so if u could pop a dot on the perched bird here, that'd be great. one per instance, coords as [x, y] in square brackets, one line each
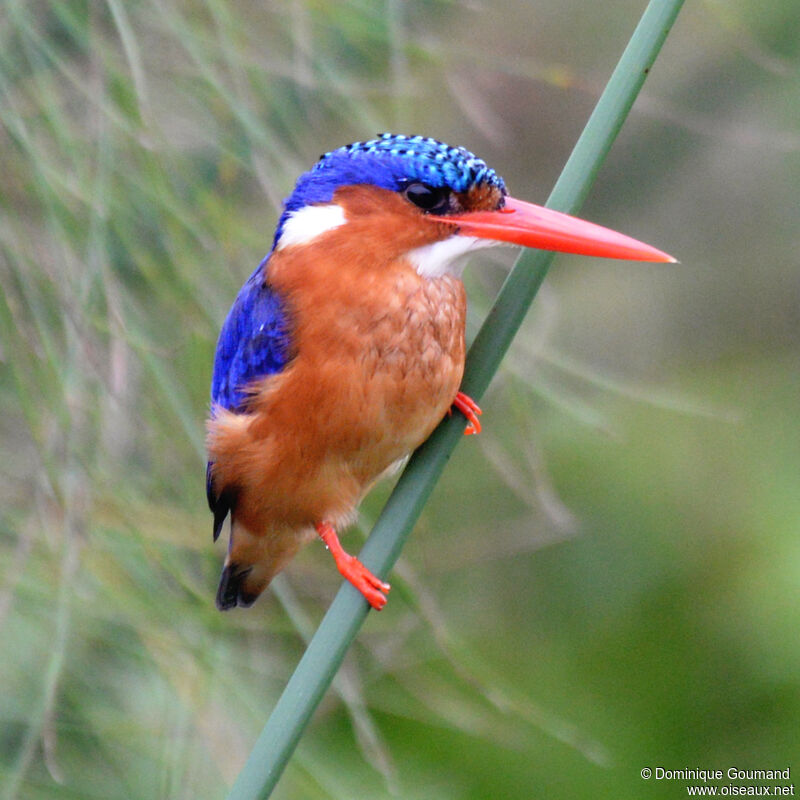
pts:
[345, 347]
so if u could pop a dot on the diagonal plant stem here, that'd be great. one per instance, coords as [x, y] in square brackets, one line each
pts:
[338, 628]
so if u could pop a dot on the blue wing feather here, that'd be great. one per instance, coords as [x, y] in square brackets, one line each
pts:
[254, 342]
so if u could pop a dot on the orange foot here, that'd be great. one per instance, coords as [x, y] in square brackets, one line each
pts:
[471, 410]
[351, 568]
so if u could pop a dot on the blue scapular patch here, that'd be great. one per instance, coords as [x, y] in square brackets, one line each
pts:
[254, 342]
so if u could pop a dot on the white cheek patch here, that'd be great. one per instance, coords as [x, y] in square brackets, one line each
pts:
[446, 256]
[305, 224]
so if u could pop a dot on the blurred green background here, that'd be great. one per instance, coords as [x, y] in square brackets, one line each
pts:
[606, 579]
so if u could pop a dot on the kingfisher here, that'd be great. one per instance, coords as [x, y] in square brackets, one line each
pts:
[345, 348]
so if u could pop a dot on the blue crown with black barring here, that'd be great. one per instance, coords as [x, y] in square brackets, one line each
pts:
[391, 161]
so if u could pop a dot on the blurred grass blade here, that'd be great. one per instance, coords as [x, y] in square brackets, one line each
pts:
[324, 655]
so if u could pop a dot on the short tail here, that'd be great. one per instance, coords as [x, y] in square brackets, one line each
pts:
[233, 588]
[253, 561]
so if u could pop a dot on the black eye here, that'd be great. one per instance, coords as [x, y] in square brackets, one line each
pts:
[429, 198]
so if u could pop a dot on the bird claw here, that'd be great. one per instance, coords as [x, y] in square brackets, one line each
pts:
[471, 410]
[371, 587]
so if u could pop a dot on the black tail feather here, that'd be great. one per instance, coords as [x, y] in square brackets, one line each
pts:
[220, 512]
[231, 591]
[220, 504]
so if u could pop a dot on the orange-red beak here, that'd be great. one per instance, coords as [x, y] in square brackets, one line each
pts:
[530, 225]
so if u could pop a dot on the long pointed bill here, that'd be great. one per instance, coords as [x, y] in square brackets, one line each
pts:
[530, 225]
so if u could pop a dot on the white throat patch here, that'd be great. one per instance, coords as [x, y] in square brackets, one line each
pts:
[305, 224]
[446, 256]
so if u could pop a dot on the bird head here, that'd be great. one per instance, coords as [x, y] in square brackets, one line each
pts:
[421, 199]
